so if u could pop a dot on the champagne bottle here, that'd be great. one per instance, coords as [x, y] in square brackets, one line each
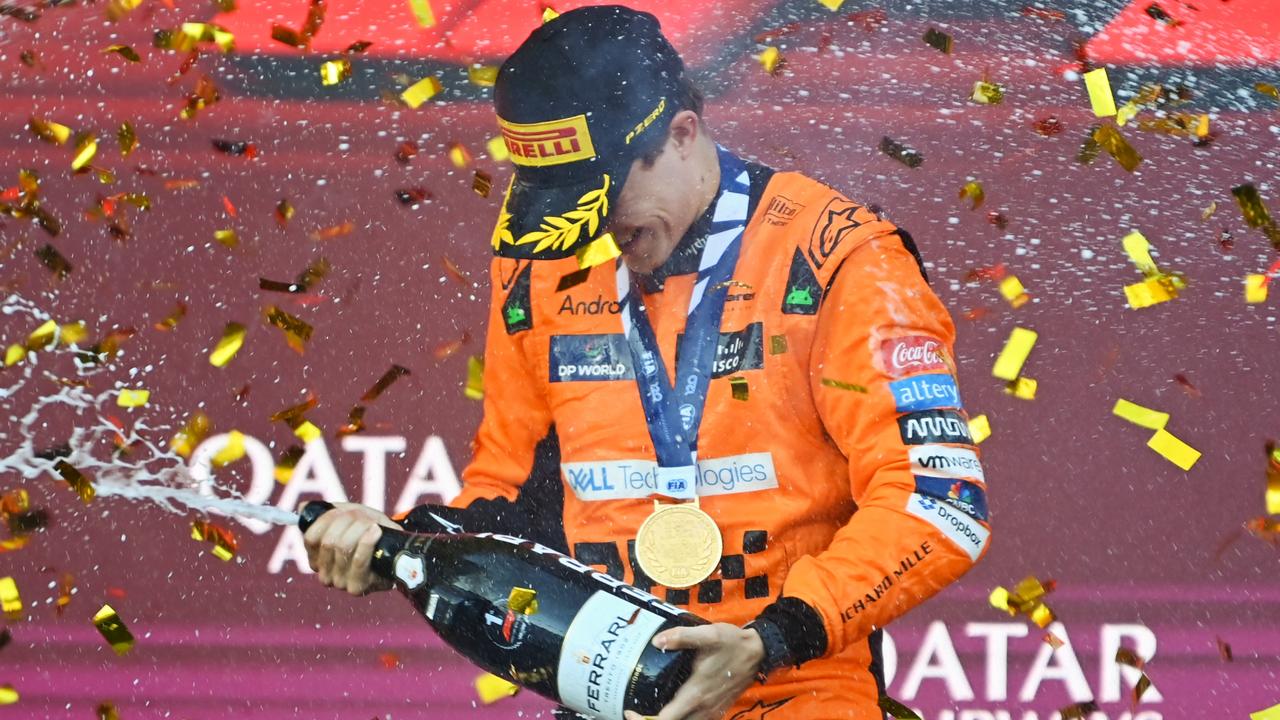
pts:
[537, 618]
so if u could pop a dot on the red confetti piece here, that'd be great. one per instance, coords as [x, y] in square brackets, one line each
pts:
[226, 204]
[1048, 126]
[455, 272]
[389, 660]
[1187, 387]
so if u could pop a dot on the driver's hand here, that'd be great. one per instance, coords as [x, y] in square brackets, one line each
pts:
[340, 546]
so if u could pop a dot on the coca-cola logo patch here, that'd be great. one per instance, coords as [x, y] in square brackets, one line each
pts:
[911, 354]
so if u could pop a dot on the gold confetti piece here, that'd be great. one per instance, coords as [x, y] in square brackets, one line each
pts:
[1078, 711]
[1140, 416]
[49, 131]
[72, 333]
[483, 75]
[224, 542]
[172, 319]
[972, 191]
[597, 252]
[422, 12]
[284, 212]
[43, 335]
[738, 386]
[1271, 713]
[113, 629]
[354, 424]
[293, 415]
[1273, 480]
[1149, 292]
[938, 40]
[777, 344]
[296, 331]
[227, 237]
[841, 385]
[390, 376]
[1110, 139]
[900, 152]
[333, 72]
[1255, 212]
[567, 281]
[1099, 88]
[128, 139]
[1139, 251]
[474, 388]
[896, 709]
[497, 149]
[491, 688]
[86, 149]
[523, 600]
[192, 434]
[133, 398]
[287, 462]
[10, 600]
[1173, 449]
[227, 347]
[770, 59]
[76, 479]
[979, 429]
[1041, 615]
[1013, 291]
[1267, 89]
[549, 14]
[482, 183]
[14, 354]
[1023, 388]
[307, 431]
[107, 711]
[117, 9]
[288, 36]
[832, 5]
[8, 695]
[124, 51]
[985, 93]
[1202, 127]
[1016, 349]
[1209, 211]
[232, 451]
[66, 586]
[333, 231]
[999, 599]
[1255, 289]
[459, 155]
[421, 91]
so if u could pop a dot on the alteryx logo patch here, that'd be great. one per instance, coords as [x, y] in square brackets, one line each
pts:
[577, 358]
[934, 426]
[737, 351]
[968, 534]
[962, 495]
[925, 392]
[623, 479]
[945, 461]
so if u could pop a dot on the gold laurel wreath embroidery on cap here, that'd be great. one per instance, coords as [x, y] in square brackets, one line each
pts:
[557, 232]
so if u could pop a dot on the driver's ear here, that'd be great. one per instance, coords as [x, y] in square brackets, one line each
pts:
[685, 129]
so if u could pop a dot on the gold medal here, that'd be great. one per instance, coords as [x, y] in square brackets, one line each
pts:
[678, 545]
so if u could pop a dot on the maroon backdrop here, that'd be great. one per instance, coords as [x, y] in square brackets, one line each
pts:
[1143, 553]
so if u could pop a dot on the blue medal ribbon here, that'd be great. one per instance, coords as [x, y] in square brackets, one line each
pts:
[674, 414]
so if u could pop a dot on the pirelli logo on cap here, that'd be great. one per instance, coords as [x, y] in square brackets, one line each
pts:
[553, 142]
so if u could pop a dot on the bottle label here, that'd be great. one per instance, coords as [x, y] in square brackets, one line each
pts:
[600, 651]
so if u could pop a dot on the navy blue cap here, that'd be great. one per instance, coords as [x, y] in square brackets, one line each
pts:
[576, 103]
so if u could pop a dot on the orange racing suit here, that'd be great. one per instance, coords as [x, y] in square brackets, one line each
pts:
[834, 453]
